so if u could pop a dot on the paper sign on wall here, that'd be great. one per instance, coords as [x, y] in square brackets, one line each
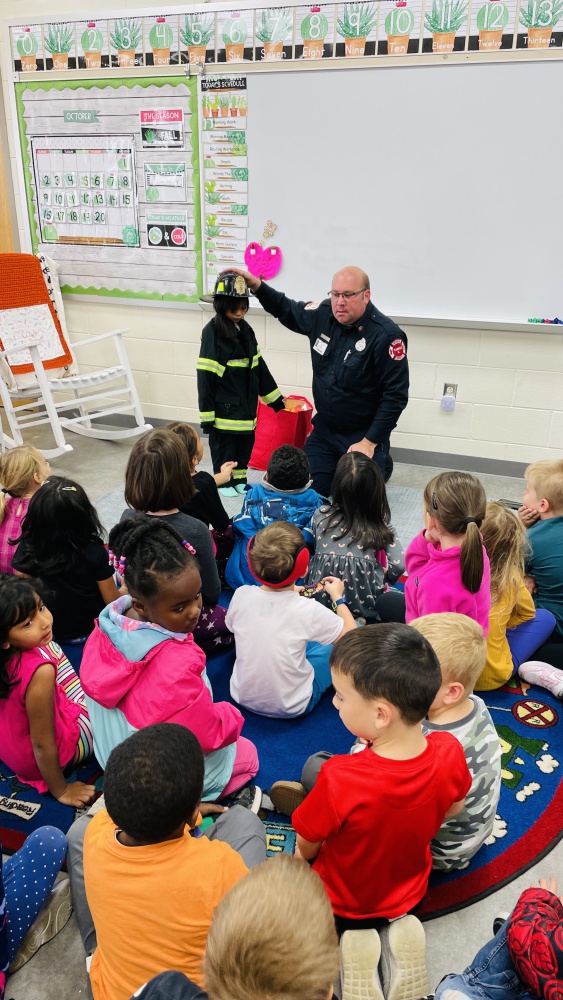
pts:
[162, 128]
[165, 182]
[167, 230]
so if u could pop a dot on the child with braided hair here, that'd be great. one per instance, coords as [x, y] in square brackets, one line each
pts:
[142, 666]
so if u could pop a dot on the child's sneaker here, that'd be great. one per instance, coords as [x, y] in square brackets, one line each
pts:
[500, 921]
[228, 491]
[249, 797]
[287, 795]
[403, 959]
[359, 958]
[544, 675]
[51, 919]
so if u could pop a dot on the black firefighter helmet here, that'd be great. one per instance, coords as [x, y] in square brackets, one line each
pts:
[229, 284]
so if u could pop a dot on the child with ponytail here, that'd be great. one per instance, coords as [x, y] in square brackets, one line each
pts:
[447, 565]
[143, 661]
[517, 628]
[22, 471]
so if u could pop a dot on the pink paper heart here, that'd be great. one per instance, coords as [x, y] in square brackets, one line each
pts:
[263, 262]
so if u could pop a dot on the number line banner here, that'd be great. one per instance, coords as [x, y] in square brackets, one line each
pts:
[217, 35]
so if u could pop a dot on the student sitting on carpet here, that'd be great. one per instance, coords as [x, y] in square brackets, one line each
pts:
[45, 731]
[354, 539]
[366, 820]
[516, 628]
[205, 504]
[295, 672]
[158, 480]
[62, 545]
[524, 959]
[149, 882]
[142, 660]
[254, 952]
[461, 648]
[284, 494]
[22, 471]
[447, 565]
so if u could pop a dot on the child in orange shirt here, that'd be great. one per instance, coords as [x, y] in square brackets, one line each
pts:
[152, 882]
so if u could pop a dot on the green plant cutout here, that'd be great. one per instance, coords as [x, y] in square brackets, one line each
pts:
[130, 236]
[234, 35]
[272, 28]
[126, 38]
[399, 24]
[150, 136]
[197, 29]
[209, 162]
[152, 194]
[239, 209]
[27, 46]
[238, 149]
[314, 29]
[92, 39]
[444, 21]
[59, 40]
[161, 37]
[212, 196]
[358, 21]
[540, 18]
[491, 22]
[239, 173]
[211, 229]
[50, 233]
[238, 138]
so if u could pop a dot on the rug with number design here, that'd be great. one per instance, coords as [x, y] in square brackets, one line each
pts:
[529, 820]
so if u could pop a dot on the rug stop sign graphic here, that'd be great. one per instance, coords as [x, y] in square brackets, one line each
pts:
[535, 713]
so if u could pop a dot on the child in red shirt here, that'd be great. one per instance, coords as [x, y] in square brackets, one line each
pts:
[368, 820]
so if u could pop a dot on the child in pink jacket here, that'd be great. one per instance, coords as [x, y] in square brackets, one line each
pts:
[142, 661]
[447, 565]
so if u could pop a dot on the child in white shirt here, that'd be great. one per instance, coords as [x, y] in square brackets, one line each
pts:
[283, 641]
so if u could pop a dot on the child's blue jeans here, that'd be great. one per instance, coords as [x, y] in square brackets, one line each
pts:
[318, 656]
[491, 975]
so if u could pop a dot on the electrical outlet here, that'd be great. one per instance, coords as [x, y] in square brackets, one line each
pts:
[450, 389]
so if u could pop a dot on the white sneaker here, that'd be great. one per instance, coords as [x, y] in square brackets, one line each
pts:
[360, 952]
[51, 919]
[403, 959]
[544, 675]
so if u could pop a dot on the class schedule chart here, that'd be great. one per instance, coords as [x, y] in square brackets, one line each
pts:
[111, 173]
[87, 192]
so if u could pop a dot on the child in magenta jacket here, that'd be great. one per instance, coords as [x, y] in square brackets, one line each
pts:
[142, 660]
[447, 565]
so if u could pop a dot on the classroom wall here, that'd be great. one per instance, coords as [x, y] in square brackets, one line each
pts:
[510, 398]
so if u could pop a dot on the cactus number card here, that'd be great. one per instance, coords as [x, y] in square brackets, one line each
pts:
[445, 26]
[27, 48]
[273, 33]
[197, 37]
[314, 32]
[356, 28]
[492, 25]
[126, 40]
[399, 31]
[162, 128]
[161, 40]
[540, 24]
[93, 47]
[234, 35]
[60, 46]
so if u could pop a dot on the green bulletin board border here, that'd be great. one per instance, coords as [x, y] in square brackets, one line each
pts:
[46, 85]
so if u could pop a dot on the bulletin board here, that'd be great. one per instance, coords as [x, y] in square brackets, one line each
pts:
[111, 171]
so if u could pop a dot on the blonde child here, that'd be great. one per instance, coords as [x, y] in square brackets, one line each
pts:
[22, 471]
[460, 646]
[290, 680]
[516, 628]
[447, 565]
[44, 724]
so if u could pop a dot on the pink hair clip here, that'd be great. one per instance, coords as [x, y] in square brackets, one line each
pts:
[121, 567]
[189, 547]
[111, 557]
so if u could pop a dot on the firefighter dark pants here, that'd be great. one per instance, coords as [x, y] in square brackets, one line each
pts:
[324, 447]
[228, 447]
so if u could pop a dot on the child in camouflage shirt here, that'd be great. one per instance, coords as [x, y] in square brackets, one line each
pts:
[461, 648]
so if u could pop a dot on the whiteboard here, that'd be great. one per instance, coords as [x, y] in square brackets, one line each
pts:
[442, 182]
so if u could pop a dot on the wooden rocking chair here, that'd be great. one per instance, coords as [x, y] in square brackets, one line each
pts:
[40, 381]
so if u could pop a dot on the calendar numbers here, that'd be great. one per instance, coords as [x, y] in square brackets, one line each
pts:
[96, 181]
[57, 180]
[73, 216]
[58, 198]
[86, 198]
[126, 198]
[86, 217]
[72, 199]
[125, 181]
[112, 200]
[45, 180]
[99, 218]
[47, 215]
[45, 197]
[70, 180]
[98, 198]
